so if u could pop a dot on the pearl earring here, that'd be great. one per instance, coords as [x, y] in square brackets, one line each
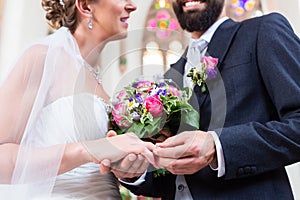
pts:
[90, 24]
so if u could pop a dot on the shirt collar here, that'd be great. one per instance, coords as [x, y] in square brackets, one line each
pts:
[210, 32]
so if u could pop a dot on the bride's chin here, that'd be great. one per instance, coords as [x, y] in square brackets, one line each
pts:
[119, 36]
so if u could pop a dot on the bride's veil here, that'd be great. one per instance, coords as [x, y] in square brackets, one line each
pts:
[52, 68]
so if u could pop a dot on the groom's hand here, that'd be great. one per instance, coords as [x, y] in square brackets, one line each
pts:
[186, 153]
[163, 135]
[129, 167]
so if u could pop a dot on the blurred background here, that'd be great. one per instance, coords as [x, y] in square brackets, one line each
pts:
[155, 39]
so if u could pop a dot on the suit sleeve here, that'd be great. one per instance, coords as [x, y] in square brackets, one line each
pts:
[254, 148]
[162, 186]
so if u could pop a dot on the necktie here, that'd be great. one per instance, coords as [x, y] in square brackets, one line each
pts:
[194, 55]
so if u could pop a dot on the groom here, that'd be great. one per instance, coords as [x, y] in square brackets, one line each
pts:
[249, 113]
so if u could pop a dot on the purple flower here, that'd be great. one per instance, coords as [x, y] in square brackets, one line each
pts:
[135, 116]
[139, 98]
[211, 74]
[161, 85]
[162, 92]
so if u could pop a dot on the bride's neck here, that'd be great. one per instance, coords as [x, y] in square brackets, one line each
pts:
[89, 49]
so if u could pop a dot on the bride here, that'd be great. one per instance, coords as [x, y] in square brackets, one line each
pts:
[53, 119]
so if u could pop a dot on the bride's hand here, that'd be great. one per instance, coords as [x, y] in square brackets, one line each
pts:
[117, 147]
[129, 167]
[130, 143]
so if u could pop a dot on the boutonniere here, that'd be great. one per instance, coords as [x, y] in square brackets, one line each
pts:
[203, 72]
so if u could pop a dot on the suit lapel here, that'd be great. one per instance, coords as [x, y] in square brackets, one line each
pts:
[221, 40]
[218, 48]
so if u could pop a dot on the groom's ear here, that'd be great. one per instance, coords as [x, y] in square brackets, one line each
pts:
[111, 133]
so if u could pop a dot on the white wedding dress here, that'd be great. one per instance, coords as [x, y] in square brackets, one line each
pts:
[82, 117]
[57, 110]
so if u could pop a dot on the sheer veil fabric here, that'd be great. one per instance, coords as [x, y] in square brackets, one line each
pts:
[53, 72]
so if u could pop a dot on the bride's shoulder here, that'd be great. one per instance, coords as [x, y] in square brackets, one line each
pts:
[34, 52]
[31, 62]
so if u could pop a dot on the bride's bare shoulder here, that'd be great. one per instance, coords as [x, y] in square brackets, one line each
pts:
[34, 52]
[31, 60]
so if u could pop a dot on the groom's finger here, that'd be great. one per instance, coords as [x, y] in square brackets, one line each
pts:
[179, 139]
[166, 163]
[173, 152]
[171, 142]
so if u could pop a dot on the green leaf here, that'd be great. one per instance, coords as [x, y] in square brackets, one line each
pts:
[203, 88]
[160, 172]
[191, 118]
[137, 128]
[154, 127]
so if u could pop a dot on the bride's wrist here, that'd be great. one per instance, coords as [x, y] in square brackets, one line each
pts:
[86, 155]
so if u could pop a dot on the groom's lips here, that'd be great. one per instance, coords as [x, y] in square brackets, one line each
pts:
[191, 4]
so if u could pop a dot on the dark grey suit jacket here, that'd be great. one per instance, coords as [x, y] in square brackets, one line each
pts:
[259, 68]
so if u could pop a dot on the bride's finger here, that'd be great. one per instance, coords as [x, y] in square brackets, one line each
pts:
[149, 156]
[143, 166]
[150, 146]
[136, 167]
[111, 133]
[127, 162]
[105, 166]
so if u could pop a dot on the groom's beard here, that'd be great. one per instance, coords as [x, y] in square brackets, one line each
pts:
[197, 20]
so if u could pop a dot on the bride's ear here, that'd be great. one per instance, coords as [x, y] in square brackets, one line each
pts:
[83, 8]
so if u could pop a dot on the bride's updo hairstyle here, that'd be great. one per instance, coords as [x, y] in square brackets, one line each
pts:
[61, 13]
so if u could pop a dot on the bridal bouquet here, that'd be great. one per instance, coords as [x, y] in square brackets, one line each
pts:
[147, 108]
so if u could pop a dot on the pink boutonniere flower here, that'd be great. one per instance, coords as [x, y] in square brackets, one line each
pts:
[203, 72]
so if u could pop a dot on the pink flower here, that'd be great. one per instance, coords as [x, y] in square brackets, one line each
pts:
[209, 62]
[122, 95]
[174, 91]
[144, 86]
[119, 113]
[141, 84]
[154, 105]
